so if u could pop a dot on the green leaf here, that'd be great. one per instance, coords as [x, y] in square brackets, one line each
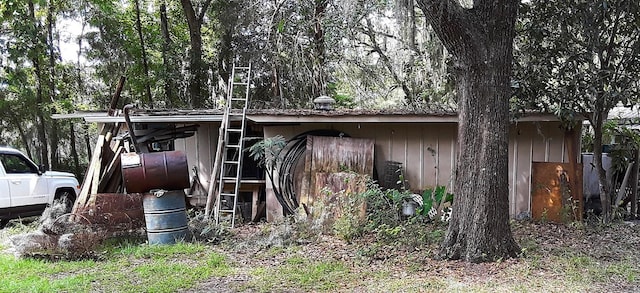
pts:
[280, 27]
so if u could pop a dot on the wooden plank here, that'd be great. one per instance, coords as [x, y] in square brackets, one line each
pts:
[339, 154]
[111, 168]
[340, 184]
[430, 156]
[89, 176]
[305, 184]
[212, 192]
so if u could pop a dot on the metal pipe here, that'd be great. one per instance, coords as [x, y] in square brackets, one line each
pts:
[130, 126]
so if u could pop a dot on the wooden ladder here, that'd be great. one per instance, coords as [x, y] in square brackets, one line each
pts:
[230, 172]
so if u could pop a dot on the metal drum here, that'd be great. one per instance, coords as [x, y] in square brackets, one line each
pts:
[161, 170]
[165, 216]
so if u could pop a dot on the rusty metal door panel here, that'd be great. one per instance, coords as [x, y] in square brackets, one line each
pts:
[335, 155]
[552, 189]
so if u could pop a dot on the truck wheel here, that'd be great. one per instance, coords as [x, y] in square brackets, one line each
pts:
[67, 198]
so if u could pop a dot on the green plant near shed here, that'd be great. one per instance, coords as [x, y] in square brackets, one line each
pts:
[434, 199]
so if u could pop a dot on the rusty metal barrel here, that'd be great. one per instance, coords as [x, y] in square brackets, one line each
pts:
[162, 170]
[165, 216]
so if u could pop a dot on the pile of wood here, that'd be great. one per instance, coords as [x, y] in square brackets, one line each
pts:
[103, 174]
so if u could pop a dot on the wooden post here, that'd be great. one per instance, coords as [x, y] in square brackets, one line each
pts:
[211, 193]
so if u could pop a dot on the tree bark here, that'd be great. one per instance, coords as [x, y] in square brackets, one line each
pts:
[74, 151]
[480, 40]
[198, 75]
[52, 85]
[145, 63]
[604, 185]
[320, 80]
[35, 59]
[166, 58]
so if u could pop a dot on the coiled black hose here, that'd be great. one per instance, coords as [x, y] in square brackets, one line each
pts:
[295, 148]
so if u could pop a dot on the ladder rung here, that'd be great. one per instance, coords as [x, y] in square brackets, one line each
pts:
[234, 130]
[239, 99]
[227, 194]
[236, 114]
[241, 83]
[232, 162]
[226, 211]
[225, 179]
[242, 67]
[235, 146]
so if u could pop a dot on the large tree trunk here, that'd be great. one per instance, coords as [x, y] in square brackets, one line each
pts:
[145, 63]
[319, 80]
[35, 59]
[166, 58]
[198, 78]
[480, 40]
[52, 84]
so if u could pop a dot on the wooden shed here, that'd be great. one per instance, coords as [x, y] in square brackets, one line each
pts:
[423, 143]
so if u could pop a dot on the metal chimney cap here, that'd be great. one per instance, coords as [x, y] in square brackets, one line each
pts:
[324, 103]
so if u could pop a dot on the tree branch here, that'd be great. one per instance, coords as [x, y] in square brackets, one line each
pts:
[203, 11]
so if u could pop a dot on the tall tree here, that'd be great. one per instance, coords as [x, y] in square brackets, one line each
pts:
[480, 39]
[198, 79]
[145, 61]
[37, 55]
[580, 57]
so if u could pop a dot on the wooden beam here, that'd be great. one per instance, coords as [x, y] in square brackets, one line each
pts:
[111, 168]
[211, 193]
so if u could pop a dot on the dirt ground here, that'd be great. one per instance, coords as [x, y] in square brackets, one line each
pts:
[558, 256]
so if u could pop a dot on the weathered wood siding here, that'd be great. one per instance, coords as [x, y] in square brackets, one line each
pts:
[427, 152]
[201, 151]
[327, 156]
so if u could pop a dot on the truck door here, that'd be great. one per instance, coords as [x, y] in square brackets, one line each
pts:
[5, 194]
[26, 186]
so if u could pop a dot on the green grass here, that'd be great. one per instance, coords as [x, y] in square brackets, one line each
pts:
[128, 267]
[31, 275]
[301, 273]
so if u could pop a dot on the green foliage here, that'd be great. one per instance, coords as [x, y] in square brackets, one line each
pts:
[350, 224]
[434, 199]
[574, 57]
[267, 151]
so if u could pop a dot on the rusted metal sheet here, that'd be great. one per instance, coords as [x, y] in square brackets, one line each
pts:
[554, 196]
[113, 212]
[329, 155]
[161, 170]
[340, 183]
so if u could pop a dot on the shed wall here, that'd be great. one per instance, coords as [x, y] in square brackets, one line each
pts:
[428, 153]
[426, 150]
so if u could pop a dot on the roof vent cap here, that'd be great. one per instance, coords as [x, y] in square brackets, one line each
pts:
[324, 103]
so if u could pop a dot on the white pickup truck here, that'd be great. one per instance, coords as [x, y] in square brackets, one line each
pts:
[26, 189]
